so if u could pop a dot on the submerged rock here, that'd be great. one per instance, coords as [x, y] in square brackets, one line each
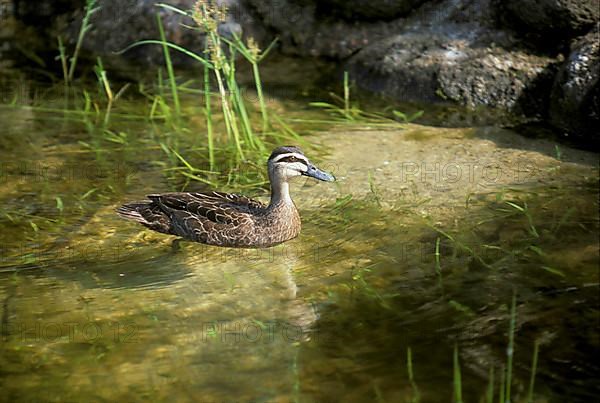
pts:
[575, 102]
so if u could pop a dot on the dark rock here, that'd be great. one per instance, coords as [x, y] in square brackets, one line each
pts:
[455, 52]
[119, 24]
[451, 50]
[404, 67]
[558, 19]
[510, 80]
[304, 29]
[367, 9]
[575, 105]
[42, 12]
[428, 67]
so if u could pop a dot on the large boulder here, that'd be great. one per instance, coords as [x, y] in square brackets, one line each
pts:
[558, 19]
[305, 28]
[116, 25]
[457, 54]
[511, 80]
[439, 66]
[368, 9]
[575, 101]
[119, 24]
[472, 52]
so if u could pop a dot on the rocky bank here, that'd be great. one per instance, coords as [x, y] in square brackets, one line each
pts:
[534, 59]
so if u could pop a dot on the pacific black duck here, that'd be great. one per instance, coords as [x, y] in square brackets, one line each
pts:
[232, 220]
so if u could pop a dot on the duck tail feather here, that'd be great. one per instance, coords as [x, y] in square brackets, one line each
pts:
[131, 211]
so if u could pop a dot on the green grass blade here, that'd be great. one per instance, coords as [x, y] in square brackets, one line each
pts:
[63, 59]
[489, 398]
[502, 385]
[438, 266]
[510, 349]
[85, 26]
[457, 377]
[416, 396]
[172, 8]
[261, 99]
[170, 45]
[169, 64]
[208, 112]
[534, 363]
[267, 50]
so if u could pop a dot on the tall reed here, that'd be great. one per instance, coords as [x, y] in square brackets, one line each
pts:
[85, 27]
[208, 16]
[254, 55]
[208, 113]
[240, 141]
[169, 64]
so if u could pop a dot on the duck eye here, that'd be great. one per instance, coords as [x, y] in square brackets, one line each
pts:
[291, 158]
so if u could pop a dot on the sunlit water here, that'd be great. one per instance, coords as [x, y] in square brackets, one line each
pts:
[94, 308]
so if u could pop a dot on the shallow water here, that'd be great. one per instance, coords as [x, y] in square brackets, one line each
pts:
[421, 244]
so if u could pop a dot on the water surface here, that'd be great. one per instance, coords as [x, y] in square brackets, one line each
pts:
[421, 244]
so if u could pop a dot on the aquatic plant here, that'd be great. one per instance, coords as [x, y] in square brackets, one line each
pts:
[169, 64]
[241, 142]
[344, 110]
[110, 96]
[457, 379]
[69, 64]
[416, 395]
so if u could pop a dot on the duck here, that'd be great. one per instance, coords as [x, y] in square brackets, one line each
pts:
[227, 219]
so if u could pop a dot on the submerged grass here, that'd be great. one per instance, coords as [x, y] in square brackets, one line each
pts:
[457, 377]
[534, 363]
[511, 347]
[345, 110]
[496, 252]
[416, 395]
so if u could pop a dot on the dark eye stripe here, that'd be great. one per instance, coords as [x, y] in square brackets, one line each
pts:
[292, 159]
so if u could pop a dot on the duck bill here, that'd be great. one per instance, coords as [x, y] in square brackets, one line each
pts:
[316, 173]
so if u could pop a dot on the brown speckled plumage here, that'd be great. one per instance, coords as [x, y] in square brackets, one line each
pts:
[231, 220]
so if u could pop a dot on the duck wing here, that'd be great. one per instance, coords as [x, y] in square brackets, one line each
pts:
[217, 207]
[209, 217]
